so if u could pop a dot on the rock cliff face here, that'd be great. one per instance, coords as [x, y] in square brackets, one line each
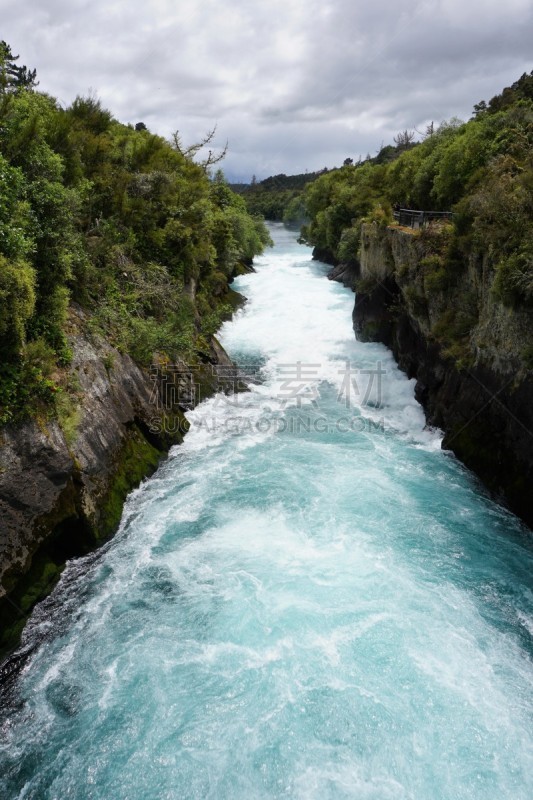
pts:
[471, 356]
[63, 481]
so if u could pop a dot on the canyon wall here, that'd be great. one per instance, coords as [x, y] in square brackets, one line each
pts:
[64, 479]
[470, 354]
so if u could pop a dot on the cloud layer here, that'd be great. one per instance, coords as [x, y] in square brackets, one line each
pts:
[292, 85]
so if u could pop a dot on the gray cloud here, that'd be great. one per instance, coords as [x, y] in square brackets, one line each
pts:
[293, 84]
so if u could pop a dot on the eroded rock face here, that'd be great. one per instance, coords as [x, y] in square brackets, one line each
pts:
[63, 482]
[35, 470]
[476, 386]
[347, 274]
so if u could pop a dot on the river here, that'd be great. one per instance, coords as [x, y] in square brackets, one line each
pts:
[309, 599]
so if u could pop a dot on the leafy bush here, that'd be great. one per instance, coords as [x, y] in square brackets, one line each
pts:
[436, 278]
[116, 219]
[348, 249]
[17, 303]
[381, 214]
[513, 284]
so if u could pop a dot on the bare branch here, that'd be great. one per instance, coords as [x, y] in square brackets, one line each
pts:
[193, 149]
[404, 138]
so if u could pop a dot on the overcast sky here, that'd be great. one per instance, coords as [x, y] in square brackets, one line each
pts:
[291, 84]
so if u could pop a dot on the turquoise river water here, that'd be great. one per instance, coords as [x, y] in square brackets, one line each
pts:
[309, 599]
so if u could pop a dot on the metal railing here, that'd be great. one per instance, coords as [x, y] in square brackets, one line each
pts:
[412, 218]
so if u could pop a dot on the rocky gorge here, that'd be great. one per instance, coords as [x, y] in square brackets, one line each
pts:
[470, 354]
[64, 479]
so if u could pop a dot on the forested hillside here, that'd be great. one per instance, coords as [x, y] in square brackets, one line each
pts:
[278, 198]
[281, 198]
[113, 218]
[481, 170]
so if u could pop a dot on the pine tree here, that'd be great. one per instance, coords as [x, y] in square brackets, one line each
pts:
[12, 76]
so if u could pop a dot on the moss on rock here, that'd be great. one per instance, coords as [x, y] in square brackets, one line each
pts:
[137, 459]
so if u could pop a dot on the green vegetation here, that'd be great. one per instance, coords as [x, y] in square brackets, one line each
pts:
[137, 459]
[283, 198]
[12, 75]
[278, 198]
[481, 170]
[114, 218]
[34, 586]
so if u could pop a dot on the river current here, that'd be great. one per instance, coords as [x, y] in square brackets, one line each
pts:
[310, 599]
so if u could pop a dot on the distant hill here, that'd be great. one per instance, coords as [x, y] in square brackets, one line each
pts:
[277, 198]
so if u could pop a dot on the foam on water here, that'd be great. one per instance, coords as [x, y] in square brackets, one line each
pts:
[301, 611]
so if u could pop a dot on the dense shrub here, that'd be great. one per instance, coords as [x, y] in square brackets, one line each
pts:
[481, 170]
[115, 218]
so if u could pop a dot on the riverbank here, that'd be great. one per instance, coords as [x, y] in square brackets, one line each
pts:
[467, 352]
[64, 479]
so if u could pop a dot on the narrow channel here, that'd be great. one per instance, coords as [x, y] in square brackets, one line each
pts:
[310, 598]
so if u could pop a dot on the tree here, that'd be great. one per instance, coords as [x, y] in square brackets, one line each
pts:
[347, 162]
[404, 138]
[12, 76]
[189, 152]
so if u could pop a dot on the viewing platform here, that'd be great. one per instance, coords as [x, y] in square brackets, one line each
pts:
[413, 218]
